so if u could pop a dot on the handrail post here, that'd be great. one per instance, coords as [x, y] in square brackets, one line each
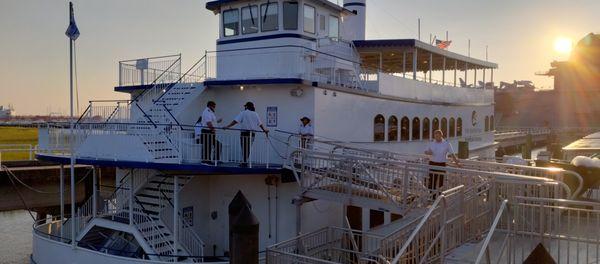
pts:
[131, 199]
[175, 210]
[443, 230]
[94, 192]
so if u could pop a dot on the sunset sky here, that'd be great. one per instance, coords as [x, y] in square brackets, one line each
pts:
[34, 50]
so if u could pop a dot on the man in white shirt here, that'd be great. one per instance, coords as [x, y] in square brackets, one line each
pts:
[207, 134]
[439, 149]
[249, 124]
[306, 132]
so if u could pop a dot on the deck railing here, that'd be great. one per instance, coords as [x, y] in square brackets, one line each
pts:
[145, 70]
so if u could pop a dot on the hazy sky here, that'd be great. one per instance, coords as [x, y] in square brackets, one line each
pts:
[34, 49]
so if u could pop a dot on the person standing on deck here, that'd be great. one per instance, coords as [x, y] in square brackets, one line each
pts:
[208, 137]
[439, 149]
[249, 124]
[306, 132]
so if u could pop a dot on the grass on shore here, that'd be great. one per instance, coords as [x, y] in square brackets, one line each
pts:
[16, 135]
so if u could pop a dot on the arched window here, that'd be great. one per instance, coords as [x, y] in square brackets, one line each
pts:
[426, 131]
[379, 128]
[487, 123]
[452, 132]
[492, 124]
[393, 128]
[459, 127]
[404, 129]
[416, 129]
[435, 124]
[444, 127]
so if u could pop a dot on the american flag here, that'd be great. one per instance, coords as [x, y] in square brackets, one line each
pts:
[443, 44]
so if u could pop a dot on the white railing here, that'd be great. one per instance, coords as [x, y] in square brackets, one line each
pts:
[505, 240]
[146, 70]
[13, 149]
[150, 230]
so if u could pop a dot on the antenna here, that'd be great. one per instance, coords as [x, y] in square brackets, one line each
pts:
[419, 28]
[469, 48]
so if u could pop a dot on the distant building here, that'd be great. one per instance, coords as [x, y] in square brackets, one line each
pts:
[574, 101]
[5, 113]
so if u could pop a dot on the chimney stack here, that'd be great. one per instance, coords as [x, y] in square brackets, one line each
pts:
[354, 26]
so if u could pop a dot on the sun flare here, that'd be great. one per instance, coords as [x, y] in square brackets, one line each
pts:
[563, 45]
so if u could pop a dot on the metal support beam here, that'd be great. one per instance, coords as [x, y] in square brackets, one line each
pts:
[466, 72]
[380, 61]
[455, 70]
[175, 213]
[430, 66]
[72, 186]
[492, 75]
[444, 71]
[483, 78]
[415, 64]
[62, 198]
[94, 192]
[475, 77]
[404, 64]
[131, 198]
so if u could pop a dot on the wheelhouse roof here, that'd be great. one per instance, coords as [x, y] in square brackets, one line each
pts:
[216, 5]
[389, 52]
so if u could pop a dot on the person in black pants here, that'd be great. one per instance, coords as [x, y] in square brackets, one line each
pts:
[249, 124]
[208, 136]
[438, 149]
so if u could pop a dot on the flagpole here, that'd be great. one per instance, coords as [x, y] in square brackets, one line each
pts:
[72, 147]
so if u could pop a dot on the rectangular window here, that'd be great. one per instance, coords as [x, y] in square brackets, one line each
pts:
[322, 22]
[250, 19]
[269, 17]
[309, 19]
[290, 15]
[231, 22]
[334, 27]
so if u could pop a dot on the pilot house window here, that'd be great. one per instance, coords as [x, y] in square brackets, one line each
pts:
[444, 127]
[459, 127]
[452, 128]
[250, 19]
[426, 132]
[269, 16]
[309, 19]
[416, 129]
[379, 128]
[231, 20]
[290, 15]
[334, 27]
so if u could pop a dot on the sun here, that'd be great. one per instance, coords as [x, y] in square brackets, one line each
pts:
[563, 45]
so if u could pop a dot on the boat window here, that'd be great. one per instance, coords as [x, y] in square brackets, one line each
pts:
[379, 128]
[250, 19]
[404, 129]
[444, 127]
[231, 22]
[459, 127]
[492, 125]
[309, 19]
[426, 133]
[487, 123]
[334, 27]
[322, 22]
[393, 128]
[269, 16]
[452, 128]
[435, 124]
[290, 15]
[416, 129]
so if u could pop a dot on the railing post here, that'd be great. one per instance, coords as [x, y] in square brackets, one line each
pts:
[131, 199]
[175, 214]
[94, 192]
[405, 185]
[443, 229]
[62, 200]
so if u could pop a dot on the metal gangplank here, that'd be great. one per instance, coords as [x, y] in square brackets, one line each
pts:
[458, 212]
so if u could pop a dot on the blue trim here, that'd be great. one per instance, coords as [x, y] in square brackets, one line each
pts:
[255, 81]
[275, 36]
[354, 4]
[194, 167]
[132, 88]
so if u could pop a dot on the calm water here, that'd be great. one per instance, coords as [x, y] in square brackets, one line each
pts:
[15, 238]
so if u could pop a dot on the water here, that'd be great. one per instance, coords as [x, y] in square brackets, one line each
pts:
[15, 238]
